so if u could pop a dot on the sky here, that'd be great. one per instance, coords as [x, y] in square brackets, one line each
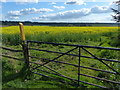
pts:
[57, 10]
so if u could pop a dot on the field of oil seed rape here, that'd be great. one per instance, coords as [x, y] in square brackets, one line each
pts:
[36, 29]
[11, 35]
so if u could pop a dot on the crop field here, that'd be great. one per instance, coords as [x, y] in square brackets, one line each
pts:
[93, 36]
[59, 34]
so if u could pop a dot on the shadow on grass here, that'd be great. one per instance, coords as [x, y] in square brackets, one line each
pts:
[62, 83]
[21, 74]
[43, 82]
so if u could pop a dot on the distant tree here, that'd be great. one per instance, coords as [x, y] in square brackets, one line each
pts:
[117, 12]
[116, 17]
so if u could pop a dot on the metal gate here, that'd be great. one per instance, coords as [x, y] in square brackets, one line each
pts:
[42, 62]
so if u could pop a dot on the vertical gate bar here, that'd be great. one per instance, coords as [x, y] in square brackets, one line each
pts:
[79, 67]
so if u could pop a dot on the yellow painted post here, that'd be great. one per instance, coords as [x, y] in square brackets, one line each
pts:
[22, 32]
[24, 46]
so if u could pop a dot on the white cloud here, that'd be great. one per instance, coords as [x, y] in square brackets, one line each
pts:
[21, 1]
[0, 6]
[74, 14]
[11, 17]
[34, 10]
[27, 11]
[75, 2]
[100, 9]
[65, 15]
[1, 17]
[59, 7]
[14, 13]
[27, 1]
[3, 0]
[53, 3]
[102, 17]
[93, 0]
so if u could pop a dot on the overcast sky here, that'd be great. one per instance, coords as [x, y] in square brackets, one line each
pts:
[59, 11]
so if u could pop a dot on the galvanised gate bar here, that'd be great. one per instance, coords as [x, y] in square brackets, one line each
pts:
[79, 47]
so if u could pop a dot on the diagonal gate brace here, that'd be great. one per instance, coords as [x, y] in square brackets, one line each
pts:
[101, 61]
[56, 58]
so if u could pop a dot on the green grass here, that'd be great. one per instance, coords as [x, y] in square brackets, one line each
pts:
[100, 36]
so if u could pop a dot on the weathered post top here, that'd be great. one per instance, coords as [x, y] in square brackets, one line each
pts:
[22, 32]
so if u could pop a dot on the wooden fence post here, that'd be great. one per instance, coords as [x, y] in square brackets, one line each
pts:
[22, 32]
[24, 46]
